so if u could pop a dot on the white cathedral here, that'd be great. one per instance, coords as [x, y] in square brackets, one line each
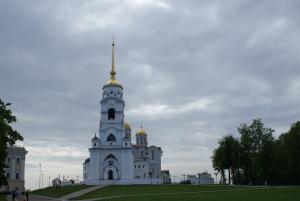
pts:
[113, 158]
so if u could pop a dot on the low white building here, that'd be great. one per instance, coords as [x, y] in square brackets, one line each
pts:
[201, 179]
[165, 177]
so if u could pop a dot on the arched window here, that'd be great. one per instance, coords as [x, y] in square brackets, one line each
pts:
[111, 113]
[111, 138]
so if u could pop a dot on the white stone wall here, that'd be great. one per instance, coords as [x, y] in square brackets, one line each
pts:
[16, 165]
[125, 156]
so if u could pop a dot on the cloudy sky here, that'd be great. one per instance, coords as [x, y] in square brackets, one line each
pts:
[192, 71]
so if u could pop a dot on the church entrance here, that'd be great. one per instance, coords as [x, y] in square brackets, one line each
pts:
[110, 175]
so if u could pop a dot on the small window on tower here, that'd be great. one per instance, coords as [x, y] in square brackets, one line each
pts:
[111, 114]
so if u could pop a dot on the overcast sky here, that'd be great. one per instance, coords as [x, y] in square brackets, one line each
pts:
[192, 71]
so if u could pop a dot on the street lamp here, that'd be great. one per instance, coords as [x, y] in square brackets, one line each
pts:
[40, 166]
[42, 180]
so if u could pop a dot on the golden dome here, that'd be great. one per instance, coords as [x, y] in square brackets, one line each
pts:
[141, 131]
[127, 126]
[113, 82]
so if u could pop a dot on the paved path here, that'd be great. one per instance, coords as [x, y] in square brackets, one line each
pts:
[64, 198]
[80, 193]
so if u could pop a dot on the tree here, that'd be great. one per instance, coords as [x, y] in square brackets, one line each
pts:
[257, 143]
[218, 161]
[8, 136]
[289, 160]
[258, 158]
[227, 156]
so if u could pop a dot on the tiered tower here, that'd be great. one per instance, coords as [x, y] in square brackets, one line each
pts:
[113, 147]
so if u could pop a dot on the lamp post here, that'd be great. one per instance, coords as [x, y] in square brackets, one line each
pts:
[40, 172]
[42, 180]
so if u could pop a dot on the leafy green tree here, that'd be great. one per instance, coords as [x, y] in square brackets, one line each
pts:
[218, 161]
[256, 145]
[258, 158]
[8, 136]
[226, 157]
[289, 161]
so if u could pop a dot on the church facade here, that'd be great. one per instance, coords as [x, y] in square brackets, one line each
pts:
[114, 159]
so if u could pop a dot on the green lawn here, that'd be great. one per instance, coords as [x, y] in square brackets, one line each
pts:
[2, 197]
[195, 193]
[60, 191]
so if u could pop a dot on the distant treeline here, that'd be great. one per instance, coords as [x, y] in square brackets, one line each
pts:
[257, 158]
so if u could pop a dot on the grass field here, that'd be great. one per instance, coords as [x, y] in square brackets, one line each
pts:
[60, 191]
[194, 193]
[2, 197]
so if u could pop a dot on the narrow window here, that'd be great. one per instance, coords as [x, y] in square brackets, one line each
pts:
[95, 144]
[152, 154]
[18, 160]
[17, 176]
[111, 114]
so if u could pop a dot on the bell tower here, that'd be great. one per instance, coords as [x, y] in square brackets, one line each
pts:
[112, 109]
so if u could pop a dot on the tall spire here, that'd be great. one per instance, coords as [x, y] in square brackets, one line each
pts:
[113, 72]
[112, 80]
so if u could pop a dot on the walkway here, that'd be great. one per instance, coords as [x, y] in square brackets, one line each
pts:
[33, 197]
[80, 193]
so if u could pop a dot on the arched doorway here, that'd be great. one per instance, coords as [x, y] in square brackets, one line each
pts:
[110, 175]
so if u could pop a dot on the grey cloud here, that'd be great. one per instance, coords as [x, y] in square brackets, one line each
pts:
[240, 55]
